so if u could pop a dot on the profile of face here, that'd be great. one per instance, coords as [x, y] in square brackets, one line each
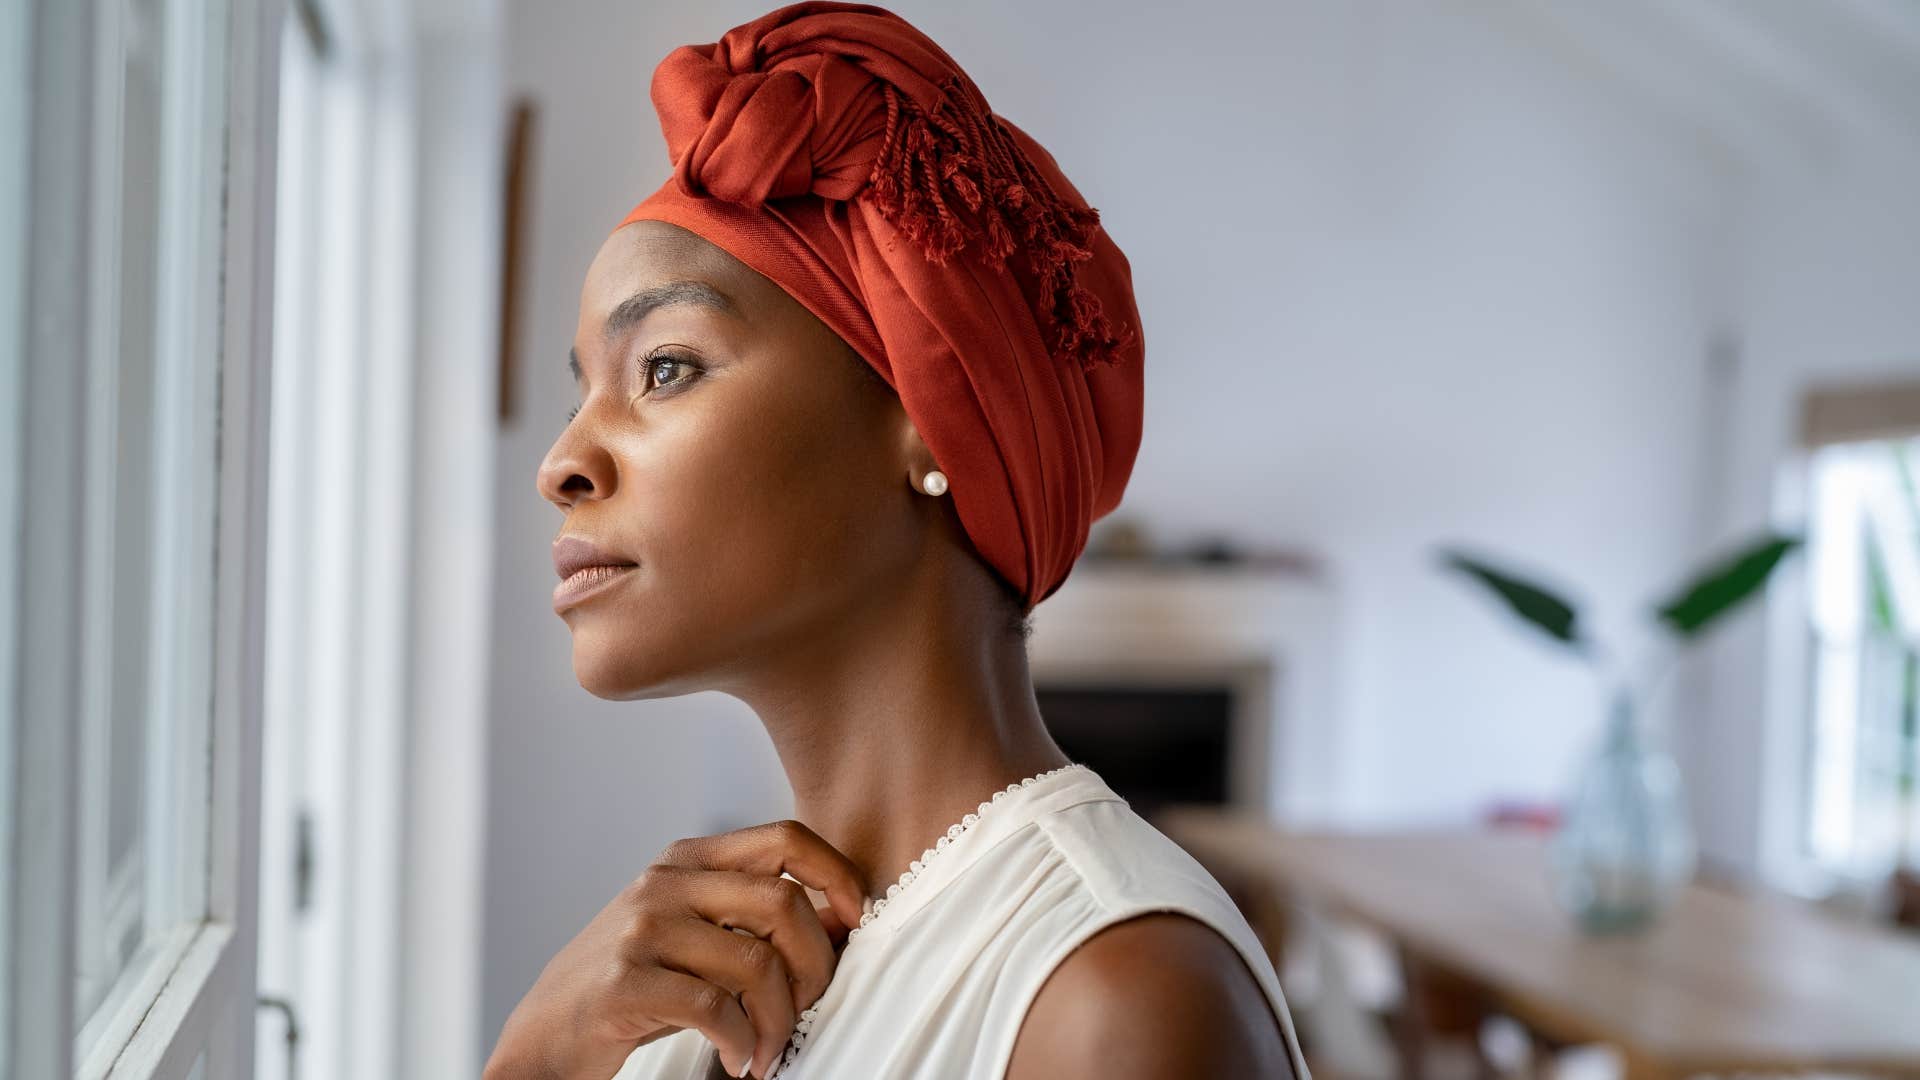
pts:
[742, 481]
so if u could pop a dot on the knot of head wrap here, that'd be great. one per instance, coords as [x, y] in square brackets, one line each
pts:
[811, 126]
[810, 144]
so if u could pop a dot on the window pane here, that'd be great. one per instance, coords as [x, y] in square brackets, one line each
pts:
[150, 487]
[1863, 811]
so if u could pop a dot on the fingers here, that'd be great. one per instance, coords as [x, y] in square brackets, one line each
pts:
[756, 880]
[779, 847]
[774, 908]
[747, 966]
[687, 1001]
[830, 922]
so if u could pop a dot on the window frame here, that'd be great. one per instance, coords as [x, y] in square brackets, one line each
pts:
[373, 796]
[193, 1015]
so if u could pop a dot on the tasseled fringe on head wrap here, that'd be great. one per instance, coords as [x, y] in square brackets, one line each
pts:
[969, 154]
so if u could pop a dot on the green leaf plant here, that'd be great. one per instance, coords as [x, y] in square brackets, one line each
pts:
[1713, 592]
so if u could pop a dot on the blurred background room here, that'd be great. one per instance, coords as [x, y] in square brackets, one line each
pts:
[1515, 604]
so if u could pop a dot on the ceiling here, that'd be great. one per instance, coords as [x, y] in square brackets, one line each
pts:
[1762, 83]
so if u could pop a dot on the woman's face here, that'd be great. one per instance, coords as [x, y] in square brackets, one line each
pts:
[733, 455]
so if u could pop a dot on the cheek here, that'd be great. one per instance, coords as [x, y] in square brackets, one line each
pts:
[756, 515]
[771, 496]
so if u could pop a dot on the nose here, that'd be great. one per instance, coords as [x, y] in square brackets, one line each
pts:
[576, 467]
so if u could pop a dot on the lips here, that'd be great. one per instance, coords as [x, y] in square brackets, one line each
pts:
[584, 568]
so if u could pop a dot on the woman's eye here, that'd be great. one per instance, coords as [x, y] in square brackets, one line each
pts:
[672, 364]
[573, 412]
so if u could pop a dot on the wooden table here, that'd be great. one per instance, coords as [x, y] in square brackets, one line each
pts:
[1724, 982]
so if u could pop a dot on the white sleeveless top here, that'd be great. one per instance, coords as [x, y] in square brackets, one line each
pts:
[937, 980]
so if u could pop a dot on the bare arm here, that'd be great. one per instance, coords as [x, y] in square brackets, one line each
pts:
[1158, 997]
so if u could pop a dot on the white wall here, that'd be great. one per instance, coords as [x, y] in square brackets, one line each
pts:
[1828, 293]
[1405, 280]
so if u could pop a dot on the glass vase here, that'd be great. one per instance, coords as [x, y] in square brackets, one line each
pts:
[1625, 847]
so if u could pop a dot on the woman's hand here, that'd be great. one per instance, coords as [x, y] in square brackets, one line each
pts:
[662, 956]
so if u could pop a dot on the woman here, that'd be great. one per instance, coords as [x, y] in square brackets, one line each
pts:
[853, 384]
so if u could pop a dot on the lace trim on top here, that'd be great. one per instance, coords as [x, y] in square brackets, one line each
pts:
[871, 908]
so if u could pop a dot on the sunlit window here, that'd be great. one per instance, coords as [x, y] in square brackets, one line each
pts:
[1862, 815]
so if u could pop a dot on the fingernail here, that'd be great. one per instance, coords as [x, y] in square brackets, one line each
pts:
[745, 1065]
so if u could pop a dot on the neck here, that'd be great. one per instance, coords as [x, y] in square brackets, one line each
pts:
[900, 722]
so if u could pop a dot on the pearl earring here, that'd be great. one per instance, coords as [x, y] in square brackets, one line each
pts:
[936, 483]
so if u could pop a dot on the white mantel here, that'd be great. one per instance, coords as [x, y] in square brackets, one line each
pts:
[1267, 634]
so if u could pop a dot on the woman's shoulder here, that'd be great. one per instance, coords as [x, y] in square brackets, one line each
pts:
[1155, 996]
[1125, 862]
[1138, 897]
[1080, 857]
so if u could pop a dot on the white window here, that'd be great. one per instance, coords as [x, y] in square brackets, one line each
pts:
[1861, 815]
[133, 369]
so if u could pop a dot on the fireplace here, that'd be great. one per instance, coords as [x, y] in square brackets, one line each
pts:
[1205, 684]
[1154, 745]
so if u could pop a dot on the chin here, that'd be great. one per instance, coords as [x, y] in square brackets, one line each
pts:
[612, 674]
[623, 667]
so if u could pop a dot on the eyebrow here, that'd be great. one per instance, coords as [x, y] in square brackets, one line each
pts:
[637, 307]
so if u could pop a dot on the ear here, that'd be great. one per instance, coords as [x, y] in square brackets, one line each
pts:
[918, 460]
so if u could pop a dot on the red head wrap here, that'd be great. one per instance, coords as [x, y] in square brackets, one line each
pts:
[839, 152]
